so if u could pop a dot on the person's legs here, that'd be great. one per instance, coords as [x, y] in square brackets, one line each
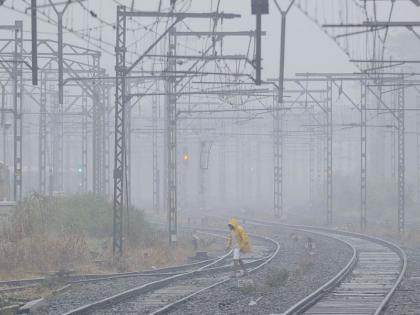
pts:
[236, 257]
[241, 263]
[235, 267]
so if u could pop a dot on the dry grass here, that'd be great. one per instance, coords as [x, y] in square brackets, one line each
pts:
[34, 243]
[155, 253]
[28, 249]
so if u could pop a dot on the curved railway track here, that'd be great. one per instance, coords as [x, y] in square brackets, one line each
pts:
[160, 296]
[364, 286]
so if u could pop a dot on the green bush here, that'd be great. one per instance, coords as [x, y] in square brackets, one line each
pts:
[88, 212]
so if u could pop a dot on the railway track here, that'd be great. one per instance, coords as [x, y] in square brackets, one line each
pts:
[162, 295]
[24, 284]
[364, 286]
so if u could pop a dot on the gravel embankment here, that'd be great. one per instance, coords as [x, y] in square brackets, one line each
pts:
[406, 299]
[306, 272]
[81, 294]
[151, 301]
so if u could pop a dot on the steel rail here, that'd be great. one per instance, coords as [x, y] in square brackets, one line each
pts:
[311, 299]
[162, 283]
[171, 306]
[171, 270]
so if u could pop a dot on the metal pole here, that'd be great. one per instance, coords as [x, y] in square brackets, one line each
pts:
[3, 121]
[401, 157]
[17, 106]
[202, 175]
[222, 164]
[312, 172]
[363, 158]
[277, 130]
[119, 162]
[60, 58]
[84, 173]
[34, 43]
[43, 136]
[329, 149]
[171, 142]
[258, 49]
[97, 131]
[418, 146]
[155, 154]
[103, 140]
[107, 135]
[258, 172]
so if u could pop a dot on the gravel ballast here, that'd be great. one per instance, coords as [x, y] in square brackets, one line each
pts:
[267, 291]
[406, 299]
[81, 294]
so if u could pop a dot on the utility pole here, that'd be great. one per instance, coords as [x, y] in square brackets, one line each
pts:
[60, 61]
[98, 122]
[43, 135]
[156, 186]
[401, 154]
[84, 166]
[258, 172]
[277, 121]
[120, 142]
[222, 171]
[418, 146]
[258, 8]
[34, 23]
[311, 173]
[17, 108]
[171, 137]
[329, 148]
[3, 121]
[363, 157]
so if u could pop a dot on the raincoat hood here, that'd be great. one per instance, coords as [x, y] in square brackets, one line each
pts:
[233, 222]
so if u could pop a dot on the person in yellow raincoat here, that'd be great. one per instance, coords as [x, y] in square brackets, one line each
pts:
[238, 241]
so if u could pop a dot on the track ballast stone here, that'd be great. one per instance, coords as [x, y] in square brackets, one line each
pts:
[81, 294]
[406, 299]
[270, 291]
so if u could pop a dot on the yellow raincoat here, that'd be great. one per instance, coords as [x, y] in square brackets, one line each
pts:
[241, 237]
